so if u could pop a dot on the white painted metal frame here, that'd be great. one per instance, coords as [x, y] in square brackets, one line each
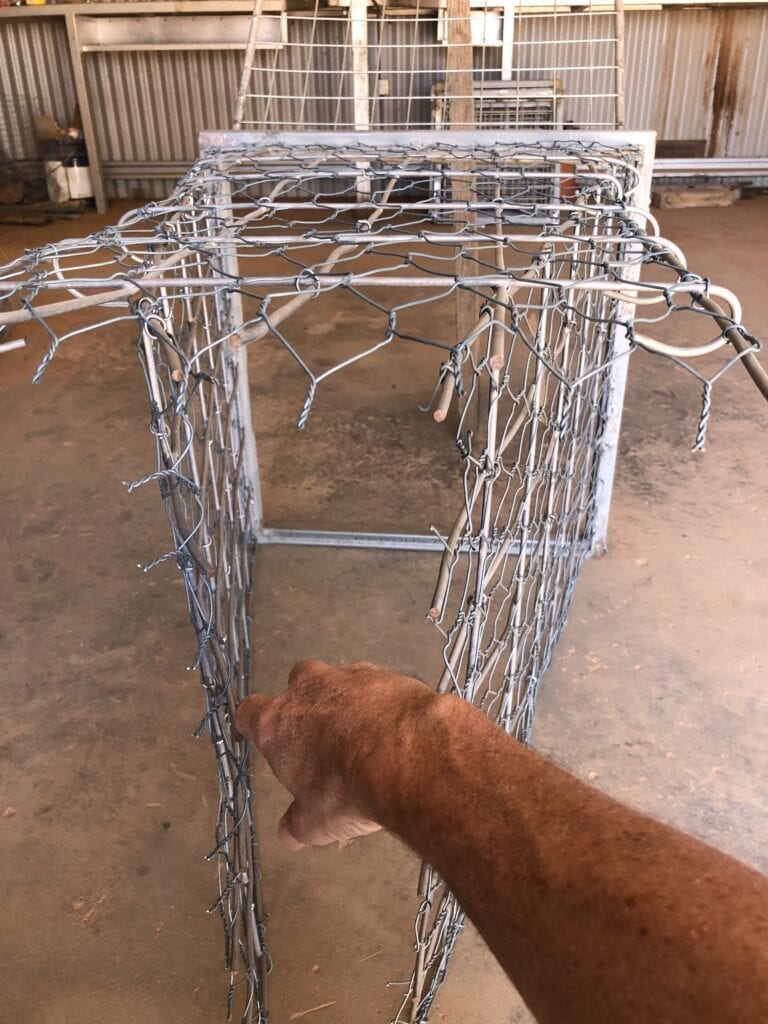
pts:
[606, 470]
[253, 141]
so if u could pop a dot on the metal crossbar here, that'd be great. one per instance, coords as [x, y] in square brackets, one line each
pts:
[250, 247]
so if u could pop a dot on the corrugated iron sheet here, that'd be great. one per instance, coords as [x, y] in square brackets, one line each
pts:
[149, 106]
[308, 81]
[691, 74]
[411, 61]
[688, 70]
[35, 77]
[743, 128]
[579, 51]
[674, 97]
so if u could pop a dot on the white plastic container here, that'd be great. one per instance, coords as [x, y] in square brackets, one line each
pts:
[56, 179]
[79, 182]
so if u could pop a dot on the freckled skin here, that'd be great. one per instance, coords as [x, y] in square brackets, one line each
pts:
[598, 913]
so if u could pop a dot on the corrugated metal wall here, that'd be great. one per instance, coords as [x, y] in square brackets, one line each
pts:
[580, 45]
[148, 108]
[700, 74]
[676, 98]
[35, 77]
[691, 74]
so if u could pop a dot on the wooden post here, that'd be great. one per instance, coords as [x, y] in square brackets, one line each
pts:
[459, 77]
[358, 16]
[86, 116]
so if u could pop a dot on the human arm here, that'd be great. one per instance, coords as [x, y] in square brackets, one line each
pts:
[599, 914]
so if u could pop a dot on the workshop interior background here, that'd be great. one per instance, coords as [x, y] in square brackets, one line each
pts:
[656, 689]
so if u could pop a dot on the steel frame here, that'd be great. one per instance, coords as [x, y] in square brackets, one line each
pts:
[262, 532]
[502, 605]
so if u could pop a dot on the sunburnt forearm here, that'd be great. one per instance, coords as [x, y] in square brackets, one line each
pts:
[570, 889]
[599, 914]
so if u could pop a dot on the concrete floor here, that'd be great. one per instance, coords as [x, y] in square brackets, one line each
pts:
[656, 693]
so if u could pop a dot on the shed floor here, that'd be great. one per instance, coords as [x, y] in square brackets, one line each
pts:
[656, 693]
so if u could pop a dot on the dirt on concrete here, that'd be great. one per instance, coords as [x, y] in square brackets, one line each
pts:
[107, 804]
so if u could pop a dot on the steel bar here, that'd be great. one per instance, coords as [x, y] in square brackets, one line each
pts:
[9, 346]
[236, 360]
[349, 539]
[321, 281]
[616, 387]
[731, 331]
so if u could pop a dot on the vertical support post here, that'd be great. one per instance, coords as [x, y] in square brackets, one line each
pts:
[507, 39]
[229, 320]
[459, 76]
[617, 378]
[496, 361]
[86, 115]
[512, 713]
[460, 107]
[361, 99]
[236, 364]
[237, 359]
[358, 15]
[618, 20]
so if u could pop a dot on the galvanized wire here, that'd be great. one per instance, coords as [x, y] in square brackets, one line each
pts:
[387, 66]
[562, 274]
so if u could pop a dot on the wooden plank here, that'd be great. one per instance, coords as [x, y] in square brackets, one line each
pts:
[680, 197]
[458, 69]
[86, 115]
[137, 7]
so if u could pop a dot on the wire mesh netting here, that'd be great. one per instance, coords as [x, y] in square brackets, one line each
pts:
[543, 249]
[432, 63]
